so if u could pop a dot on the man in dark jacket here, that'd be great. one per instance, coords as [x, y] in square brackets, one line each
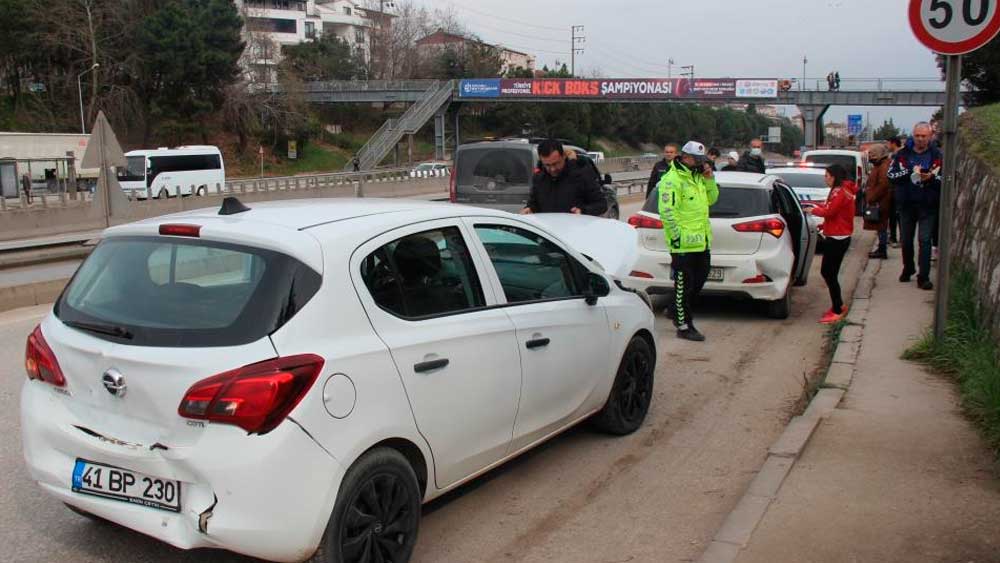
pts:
[562, 186]
[753, 159]
[916, 174]
[661, 167]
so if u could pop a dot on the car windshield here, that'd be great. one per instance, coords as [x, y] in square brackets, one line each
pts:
[734, 202]
[179, 293]
[849, 162]
[504, 166]
[802, 180]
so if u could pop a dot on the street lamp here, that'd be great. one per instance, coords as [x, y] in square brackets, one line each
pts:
[79, 90]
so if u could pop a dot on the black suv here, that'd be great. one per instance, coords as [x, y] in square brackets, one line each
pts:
[497, 174]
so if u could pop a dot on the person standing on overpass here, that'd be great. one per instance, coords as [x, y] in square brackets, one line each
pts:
[686, 192]
[562, 186]
[753, 159]
[661, 167]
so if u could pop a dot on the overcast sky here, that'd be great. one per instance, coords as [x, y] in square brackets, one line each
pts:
[721, 38]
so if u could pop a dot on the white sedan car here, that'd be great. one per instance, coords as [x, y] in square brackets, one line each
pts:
[294, 380]
[762, 243]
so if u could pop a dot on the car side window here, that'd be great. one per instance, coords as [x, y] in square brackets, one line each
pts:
[530, 267]
[424, 274]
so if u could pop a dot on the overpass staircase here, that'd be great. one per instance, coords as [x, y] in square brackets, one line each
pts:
[431, 102]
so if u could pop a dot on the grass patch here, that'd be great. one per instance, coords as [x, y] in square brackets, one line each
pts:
[816, 380]
[313, 158]
[981, 131]
[968, 354]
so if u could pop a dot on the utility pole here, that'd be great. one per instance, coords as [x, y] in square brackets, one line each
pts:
[803, 83]
[573, 49]
[688, 71]
[670, 67]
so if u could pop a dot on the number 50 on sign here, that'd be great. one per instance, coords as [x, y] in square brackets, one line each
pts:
[954, 27]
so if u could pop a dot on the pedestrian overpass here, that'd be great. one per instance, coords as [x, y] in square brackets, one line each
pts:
[432, 98]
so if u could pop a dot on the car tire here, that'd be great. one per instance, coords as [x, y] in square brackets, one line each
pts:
[380, 478]
[201, 191]
[163, 194]
[780, 308]
[632, 392]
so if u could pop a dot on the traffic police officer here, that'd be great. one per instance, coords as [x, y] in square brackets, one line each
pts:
[686, 192]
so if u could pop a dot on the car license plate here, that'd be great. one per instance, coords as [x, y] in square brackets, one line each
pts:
[717, 274]
[116, 483]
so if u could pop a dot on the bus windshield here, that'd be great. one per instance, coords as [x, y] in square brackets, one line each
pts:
[134, 170]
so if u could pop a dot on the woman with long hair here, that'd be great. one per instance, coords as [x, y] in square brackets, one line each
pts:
[837, 228]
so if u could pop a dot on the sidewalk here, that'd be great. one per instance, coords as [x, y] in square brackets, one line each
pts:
[895, 472]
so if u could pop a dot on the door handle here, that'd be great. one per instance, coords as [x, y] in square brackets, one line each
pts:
[430, 365]
[537, 343]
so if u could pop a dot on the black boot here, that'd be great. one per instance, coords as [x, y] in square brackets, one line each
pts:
[689, 332]
[879, 255]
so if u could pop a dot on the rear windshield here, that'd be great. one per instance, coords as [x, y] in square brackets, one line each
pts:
[184, 293]
[799, 180]
[733, 203]
[503, 166]
[849, 162]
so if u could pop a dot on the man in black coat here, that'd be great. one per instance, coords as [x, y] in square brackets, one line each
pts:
[753, 159]
[661, 167]
[562, 186]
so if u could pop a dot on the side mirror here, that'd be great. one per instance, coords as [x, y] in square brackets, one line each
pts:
[607, 179]
[597, 287]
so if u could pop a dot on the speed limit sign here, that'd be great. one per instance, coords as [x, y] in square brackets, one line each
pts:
[954, 27]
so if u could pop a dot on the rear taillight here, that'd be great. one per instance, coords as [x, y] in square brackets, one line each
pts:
[773, 227]
[759, 278]
[256, 397]
[643, 222]
[180, 230]
[452, 193]
[638, 274]
[40, 362]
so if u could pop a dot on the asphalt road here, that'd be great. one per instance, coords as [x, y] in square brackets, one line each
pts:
[657, 495]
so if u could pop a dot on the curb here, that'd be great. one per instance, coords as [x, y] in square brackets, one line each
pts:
[738, 527]
[27, 295]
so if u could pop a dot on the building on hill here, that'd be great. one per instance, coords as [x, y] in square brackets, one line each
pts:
[272, 24]
[434, 44]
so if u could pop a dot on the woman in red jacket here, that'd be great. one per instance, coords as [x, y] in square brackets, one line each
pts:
[838, 226]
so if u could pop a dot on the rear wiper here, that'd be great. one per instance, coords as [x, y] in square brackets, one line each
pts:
[110, 330]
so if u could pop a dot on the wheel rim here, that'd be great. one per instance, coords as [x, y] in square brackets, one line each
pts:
[380, 522]
[637, 386]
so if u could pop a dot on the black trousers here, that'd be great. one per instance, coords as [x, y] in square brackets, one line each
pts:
[834, 251]
[893, 222]
[919, 222]
[690, 272]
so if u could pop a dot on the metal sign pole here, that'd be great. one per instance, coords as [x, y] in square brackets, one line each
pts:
[953, 78]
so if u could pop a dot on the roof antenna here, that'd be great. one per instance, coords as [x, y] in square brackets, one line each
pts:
[232, 206]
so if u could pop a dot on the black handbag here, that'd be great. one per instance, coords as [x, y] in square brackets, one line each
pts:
[873, 213]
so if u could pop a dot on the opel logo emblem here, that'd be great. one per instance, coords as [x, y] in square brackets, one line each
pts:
[114, 382]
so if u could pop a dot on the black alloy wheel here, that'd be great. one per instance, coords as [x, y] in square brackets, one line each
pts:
[379, 524]
[377, 513]
[632, 392]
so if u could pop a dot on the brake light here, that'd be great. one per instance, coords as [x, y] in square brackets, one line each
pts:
[40, 362]
[638, 274]
[773, 227]
[452, 191]
[180, 230]
[256, 397]
[640, 221]
[760, 278]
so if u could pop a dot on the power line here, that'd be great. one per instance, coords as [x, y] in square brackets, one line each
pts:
[494, 16]
[533, 38]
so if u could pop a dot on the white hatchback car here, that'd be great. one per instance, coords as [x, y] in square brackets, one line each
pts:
[294, 380]
[762, 243]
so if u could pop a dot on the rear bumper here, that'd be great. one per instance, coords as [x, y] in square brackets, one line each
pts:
[272, 494]
[775, 264]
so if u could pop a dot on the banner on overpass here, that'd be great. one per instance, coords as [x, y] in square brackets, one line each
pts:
[619, 88]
